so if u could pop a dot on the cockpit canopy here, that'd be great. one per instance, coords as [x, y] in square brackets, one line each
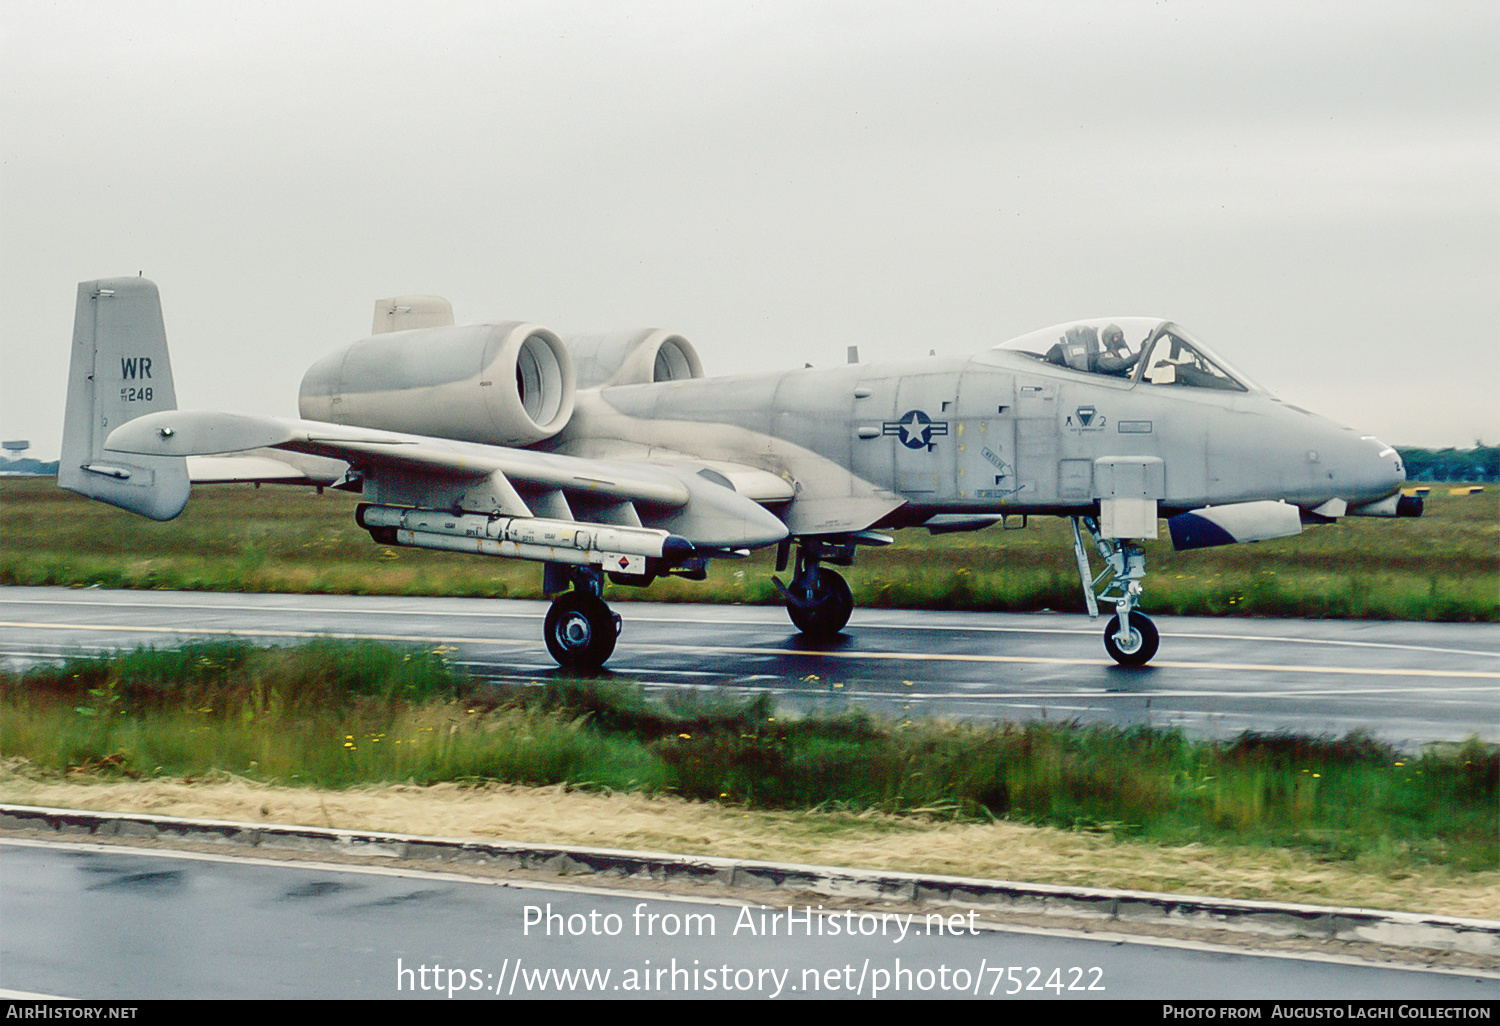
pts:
[1132, 349]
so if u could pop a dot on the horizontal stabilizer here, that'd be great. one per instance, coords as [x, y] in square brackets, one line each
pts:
[1234, 523]
[200, 433]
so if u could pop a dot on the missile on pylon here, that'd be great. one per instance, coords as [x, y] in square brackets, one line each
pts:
[622, 550]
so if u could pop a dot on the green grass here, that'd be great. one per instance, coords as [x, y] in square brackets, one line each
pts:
[329, 713]
[335, 714]
[1443, 566]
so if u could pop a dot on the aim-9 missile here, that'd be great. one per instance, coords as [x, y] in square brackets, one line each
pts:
[624, 550]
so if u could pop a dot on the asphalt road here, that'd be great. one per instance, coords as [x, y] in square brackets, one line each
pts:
[85, 921]
[1409, 683]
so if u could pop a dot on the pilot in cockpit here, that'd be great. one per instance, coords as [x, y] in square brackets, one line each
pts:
[1115, 358]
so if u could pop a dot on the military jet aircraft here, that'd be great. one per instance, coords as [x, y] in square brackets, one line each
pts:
[612, 455]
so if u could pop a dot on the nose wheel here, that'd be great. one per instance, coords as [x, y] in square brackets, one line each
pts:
[581, 631]
[1135, 646]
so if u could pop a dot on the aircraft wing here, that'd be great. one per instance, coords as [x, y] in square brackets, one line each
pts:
[266, 466]
[700, 501]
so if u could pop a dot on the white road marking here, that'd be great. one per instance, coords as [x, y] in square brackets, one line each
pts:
[949, 657]
[1088, 933]
[771, 619]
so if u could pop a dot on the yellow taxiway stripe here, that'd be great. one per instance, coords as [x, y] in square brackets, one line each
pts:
[1155, 663]
[1367, 671]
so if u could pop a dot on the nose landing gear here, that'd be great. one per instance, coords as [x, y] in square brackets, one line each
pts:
[1131, 639]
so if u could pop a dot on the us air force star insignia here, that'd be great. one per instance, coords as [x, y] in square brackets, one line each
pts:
[916, 430]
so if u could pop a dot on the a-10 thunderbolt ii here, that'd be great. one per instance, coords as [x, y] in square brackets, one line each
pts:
[613, 455]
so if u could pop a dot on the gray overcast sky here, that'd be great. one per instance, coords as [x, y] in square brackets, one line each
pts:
[1311, 188]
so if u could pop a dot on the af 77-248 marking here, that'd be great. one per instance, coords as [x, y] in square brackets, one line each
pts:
[613, 454]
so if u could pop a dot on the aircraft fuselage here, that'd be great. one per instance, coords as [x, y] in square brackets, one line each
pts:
[971, 436]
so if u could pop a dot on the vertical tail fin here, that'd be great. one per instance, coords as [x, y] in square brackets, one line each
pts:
[120, 371]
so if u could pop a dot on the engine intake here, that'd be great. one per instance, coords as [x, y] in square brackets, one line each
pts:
[633, 358]
[501, 384]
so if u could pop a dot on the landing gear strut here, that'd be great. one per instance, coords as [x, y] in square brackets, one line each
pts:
[1131, 639]
[818, 599]
[580, 629]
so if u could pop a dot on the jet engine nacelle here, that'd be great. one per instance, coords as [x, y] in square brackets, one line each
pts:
[500, 384]
[633, 358]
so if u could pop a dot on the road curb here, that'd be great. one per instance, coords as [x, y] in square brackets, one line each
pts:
[1369, 926]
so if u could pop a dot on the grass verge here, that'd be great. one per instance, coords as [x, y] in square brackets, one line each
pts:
[343, 717]
[1443, 566]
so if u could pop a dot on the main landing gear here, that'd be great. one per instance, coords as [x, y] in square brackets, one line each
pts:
[580, 629]
[818, 599]
[1131, 639]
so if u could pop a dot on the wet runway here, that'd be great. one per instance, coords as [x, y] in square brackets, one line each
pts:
[85, 921]
[1409, 683]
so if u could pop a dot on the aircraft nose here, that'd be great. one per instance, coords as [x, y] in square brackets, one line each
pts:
[1382, 471]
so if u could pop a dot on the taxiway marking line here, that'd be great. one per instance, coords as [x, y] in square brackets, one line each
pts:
[1084, 932]
[947, 657]
[770, 620]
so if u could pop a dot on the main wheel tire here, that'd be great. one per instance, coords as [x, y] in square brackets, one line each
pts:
[830, 608]
[580, 631]
[1143, 643]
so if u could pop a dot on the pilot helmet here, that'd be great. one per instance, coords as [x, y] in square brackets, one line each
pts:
[1113, 337]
